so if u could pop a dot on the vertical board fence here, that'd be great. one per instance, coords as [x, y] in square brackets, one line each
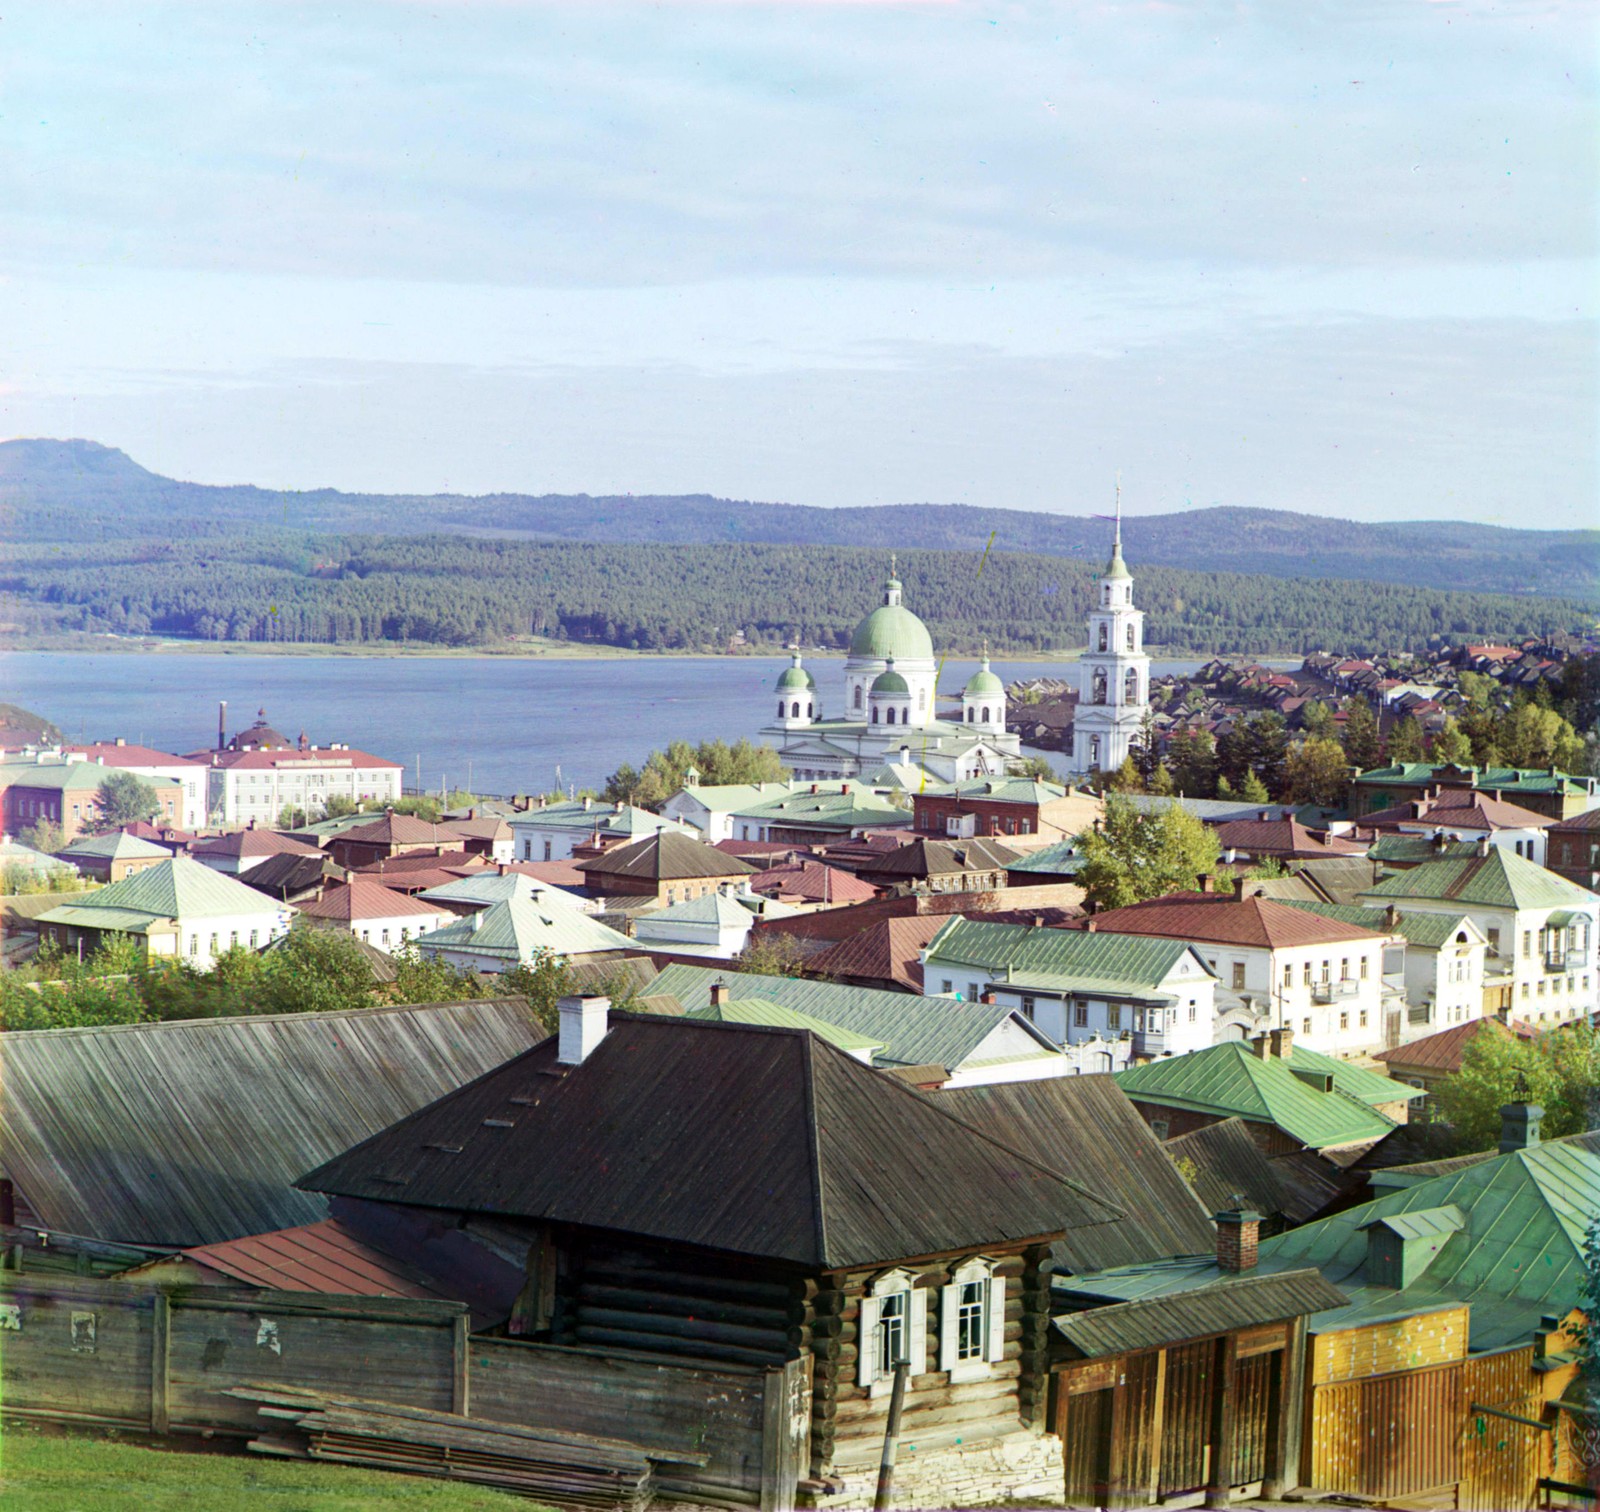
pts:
[1502, 1460]
[1390, 1435]
[119, 1354]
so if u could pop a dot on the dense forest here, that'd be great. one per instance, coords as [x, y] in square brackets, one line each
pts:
[281, 586]
[79, 491]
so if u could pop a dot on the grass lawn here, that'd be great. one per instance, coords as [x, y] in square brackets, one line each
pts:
[44, 1471]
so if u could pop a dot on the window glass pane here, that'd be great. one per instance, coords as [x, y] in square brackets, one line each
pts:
[970, 1320]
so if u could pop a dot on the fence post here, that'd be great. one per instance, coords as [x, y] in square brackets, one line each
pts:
[160, 1361]
[461, 1366]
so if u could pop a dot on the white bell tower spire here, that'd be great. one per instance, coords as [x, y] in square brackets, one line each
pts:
[1114, 687]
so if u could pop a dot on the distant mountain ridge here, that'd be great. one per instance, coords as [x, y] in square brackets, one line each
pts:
[97, 492]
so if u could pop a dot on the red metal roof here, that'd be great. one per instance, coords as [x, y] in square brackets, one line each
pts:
[367, 898]
[316, 1257]
[113, 753]
[1443, 1051]
[1223, 920]
[253, 842]
[814, 882]
[888, 951]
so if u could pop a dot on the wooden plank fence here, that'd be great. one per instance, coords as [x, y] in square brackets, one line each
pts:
[128, 1355]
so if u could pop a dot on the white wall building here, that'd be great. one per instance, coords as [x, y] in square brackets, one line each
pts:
[1080, 989]
[1114, 672]
[146, 762]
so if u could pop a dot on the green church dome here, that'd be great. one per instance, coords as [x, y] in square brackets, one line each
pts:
[984, 684]
[796, 680]
[891, 682]
[892, 630]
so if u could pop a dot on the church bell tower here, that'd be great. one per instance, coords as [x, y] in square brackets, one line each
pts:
[1114, 673]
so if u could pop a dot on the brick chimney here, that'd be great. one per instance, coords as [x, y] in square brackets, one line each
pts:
[719, 994]
[1238, 1232]
[1208, 883]
[1519, 1126]
[583, 1026]
[1261, 1047]
[1282, 1041]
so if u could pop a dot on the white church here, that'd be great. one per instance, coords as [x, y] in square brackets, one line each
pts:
[1114, 675]
[891, 716]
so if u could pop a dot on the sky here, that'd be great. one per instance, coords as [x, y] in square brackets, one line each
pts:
[1332, 257]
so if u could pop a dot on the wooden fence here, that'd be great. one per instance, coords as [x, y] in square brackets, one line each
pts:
[120, 1354]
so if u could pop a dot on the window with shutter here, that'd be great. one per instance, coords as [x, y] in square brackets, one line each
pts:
[893, 1327]
[972, 1321]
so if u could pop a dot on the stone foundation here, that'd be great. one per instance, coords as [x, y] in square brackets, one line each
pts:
[1018, 1467]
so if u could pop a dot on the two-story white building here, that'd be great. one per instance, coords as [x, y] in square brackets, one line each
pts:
[1279, 967]
[147, 762]
[1467, 814]
[1542, 930]
[552, 831]
[1155, 997]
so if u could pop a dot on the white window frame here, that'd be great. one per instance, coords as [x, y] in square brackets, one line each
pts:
[876, 1375]
[980, 1270]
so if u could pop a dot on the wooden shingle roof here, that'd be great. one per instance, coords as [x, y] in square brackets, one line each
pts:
[744, 1139]
[665, 857]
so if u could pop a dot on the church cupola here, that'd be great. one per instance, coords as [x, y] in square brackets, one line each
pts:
[983, 700]
[1114, 671]
[889, 702]
[797, 695]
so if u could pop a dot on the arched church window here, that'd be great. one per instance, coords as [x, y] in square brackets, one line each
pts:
[874, 713]
[1099, 695]
[780, 709]
[1130, 687]
[794, 709]
[889, 717]
[858, 695]
[1094, 750]
[1131, 645]
[1103, 633]
[986, 716]
[809, 710]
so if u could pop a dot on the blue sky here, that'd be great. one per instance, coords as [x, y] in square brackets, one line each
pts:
[1332, 257]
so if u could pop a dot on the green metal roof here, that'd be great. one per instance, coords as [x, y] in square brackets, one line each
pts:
[1423, 1223]
[1518, 1256]
[914, 1031]
[1427, 931]
[1134, 964]
[776, 1016]
[518, 928]
[490, 887]
[834, 809]
[1230, 1080]
[892, 630]
[174, 889]
[1009, 790]
[1497, 880]
[709, 908]
[68, 777]
[1486, 779]
[1399, 850]
[116, 846]
[1062, 858]
[115, 920]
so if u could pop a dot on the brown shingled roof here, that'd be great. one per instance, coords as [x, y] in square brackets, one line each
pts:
[1223, 920]
[666, 857]
[366, 898]
[888, 951]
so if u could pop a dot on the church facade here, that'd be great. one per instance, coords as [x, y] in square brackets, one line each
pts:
[890, 718]
[1114, 673]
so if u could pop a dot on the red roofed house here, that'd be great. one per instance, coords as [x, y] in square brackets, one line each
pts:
[1283, 839]
[886, 954]
[811, 884]
[1426, 1062]
[1471, 814]
[151, 763]
[236, 853]
[1573, 849]
[1279, 967]
[391, 834]
[376, 915]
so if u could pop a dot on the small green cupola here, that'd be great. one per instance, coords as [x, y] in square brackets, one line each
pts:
[983, 700]
[889, 701]
[797, 695]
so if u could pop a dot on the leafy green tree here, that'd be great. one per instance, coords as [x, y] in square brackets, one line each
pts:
[544, 981]
[43, 836]
[429, 979]
[123, 798]
[1450, 744]
[1559, 1069]
[315, 971]
[1133, 856]
[1530, 736]
[1037, 768]
[1405, 740]
[1362, 746]
[664, 772]
[1318, 773]
[1125, 779]
[1144, 753]
[1318, 721]
[1267, 869]
[1162, 783]
[290, 817]
[771, 953]
[339, 806]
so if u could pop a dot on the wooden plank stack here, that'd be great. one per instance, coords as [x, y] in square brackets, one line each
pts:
[561, 1469]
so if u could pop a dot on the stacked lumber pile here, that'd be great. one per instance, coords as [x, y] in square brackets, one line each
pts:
[562, 1469]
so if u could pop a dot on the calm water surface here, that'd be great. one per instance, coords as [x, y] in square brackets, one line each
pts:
[497, 724]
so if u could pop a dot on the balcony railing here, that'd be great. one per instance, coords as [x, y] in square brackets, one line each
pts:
[1327, 992]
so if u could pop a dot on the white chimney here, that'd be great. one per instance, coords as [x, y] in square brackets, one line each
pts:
[583, 1026]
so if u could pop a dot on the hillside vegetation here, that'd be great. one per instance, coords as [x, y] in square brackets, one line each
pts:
[280, 586]
[72, 491]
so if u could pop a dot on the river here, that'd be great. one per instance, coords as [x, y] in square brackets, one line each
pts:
[492, 723]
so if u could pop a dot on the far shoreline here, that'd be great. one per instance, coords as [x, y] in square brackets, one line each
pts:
[112, 645]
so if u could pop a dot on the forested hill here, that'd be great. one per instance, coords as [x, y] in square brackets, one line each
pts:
[78, 490]
[446, 591]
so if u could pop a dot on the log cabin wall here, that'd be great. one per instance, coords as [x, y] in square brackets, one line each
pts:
[677, 1302]
[962, 1443]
